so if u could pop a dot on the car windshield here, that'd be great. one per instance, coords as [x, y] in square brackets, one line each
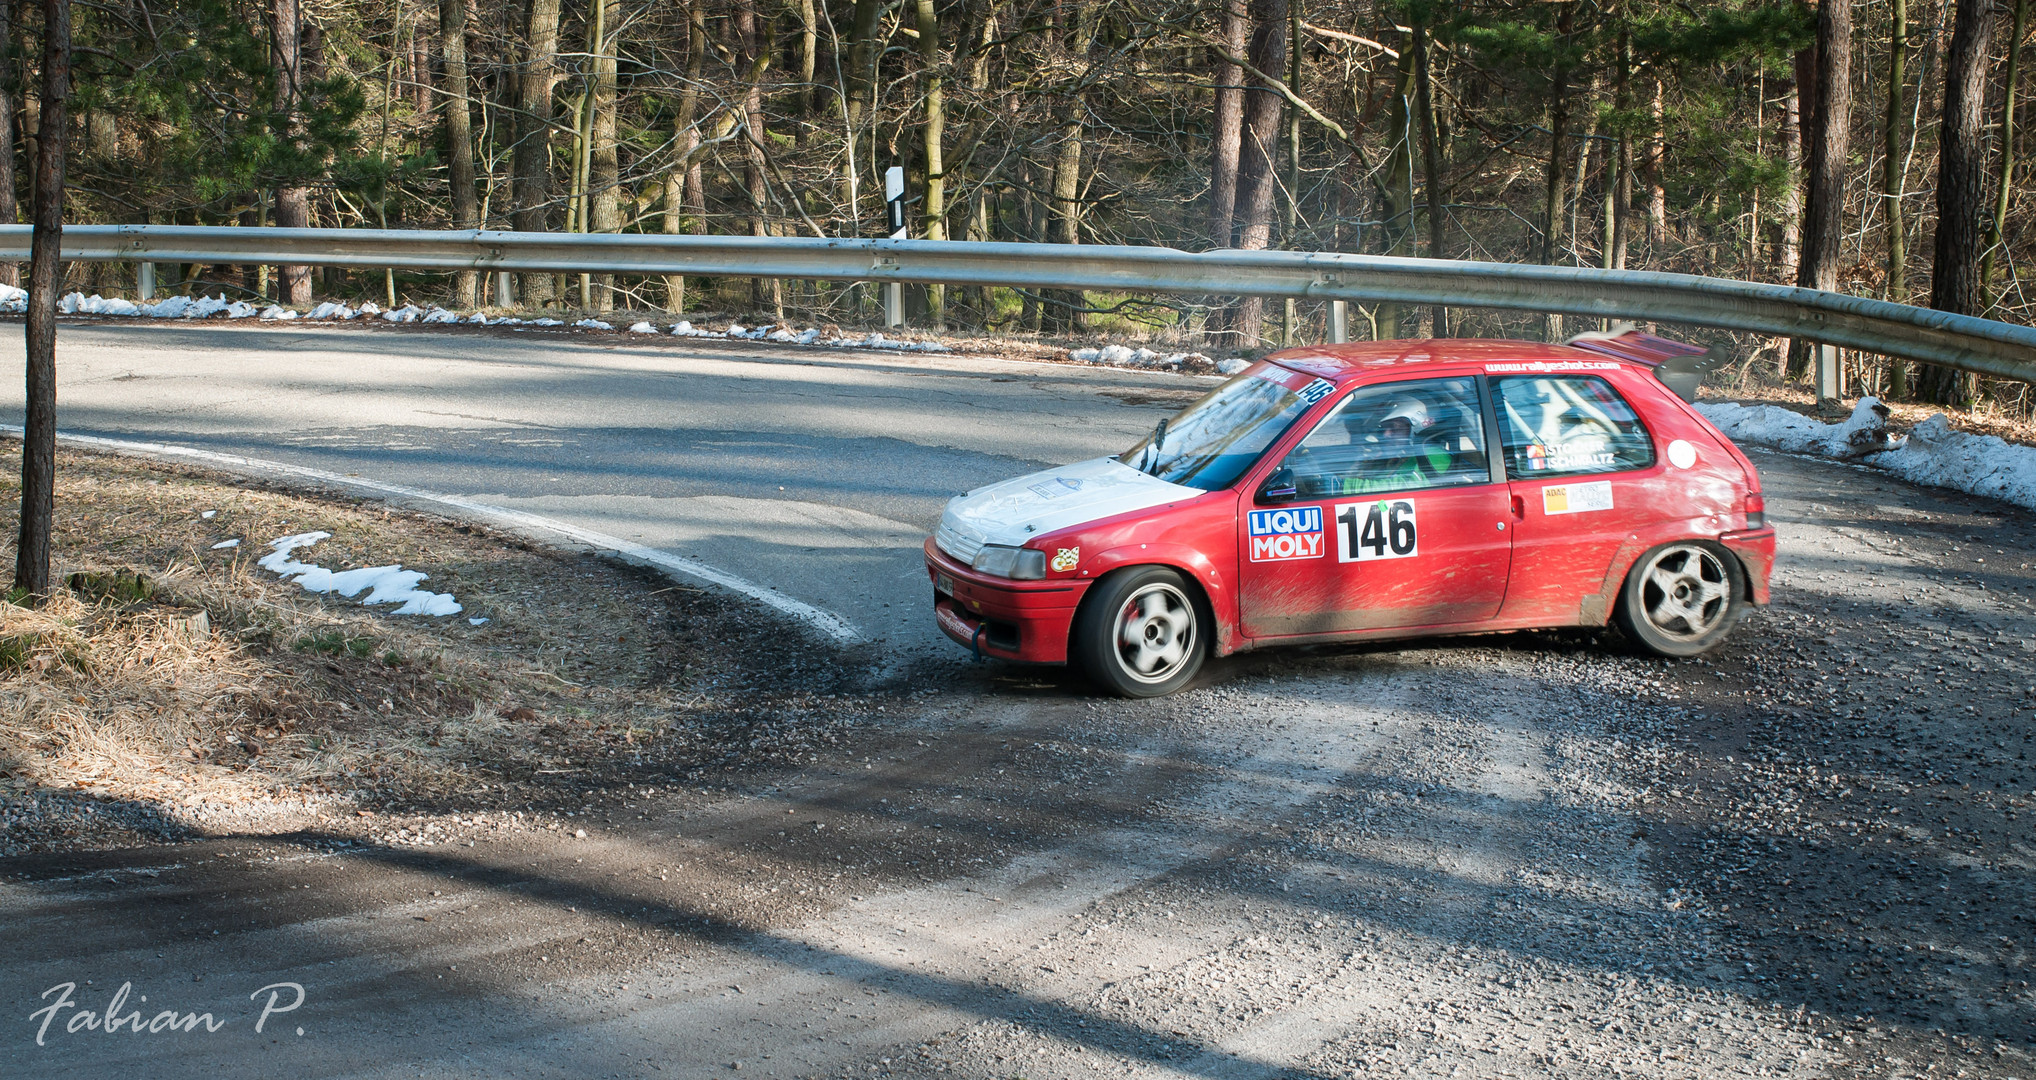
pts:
[1212, 442]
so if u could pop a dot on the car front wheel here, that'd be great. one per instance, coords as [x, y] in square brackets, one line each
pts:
[1142, 634]
[1681, 599]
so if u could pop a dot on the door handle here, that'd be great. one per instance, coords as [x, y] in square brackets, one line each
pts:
[1519, 508]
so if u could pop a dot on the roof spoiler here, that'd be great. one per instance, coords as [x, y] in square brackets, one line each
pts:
[1679, 365]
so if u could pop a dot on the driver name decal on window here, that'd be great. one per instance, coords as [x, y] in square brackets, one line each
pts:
[1576, 498]
[1384, 529]
[1280, 535]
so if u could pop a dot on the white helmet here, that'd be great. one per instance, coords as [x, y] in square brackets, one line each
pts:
[1411, 410]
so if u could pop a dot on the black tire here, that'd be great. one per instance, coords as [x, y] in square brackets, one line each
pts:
[1681, 598]
[1141, 632]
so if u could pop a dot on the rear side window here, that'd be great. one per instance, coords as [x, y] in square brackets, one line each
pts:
[1566, 426]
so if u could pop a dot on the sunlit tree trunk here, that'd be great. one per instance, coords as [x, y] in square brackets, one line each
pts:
[1553, 218]
[682, 179]
[1397, 191]
[1227, 125]
[533, 184]
[604, 177]
[293, 201]
[933, 132]
[2004, 189]
[459, 138]
[1258, 157]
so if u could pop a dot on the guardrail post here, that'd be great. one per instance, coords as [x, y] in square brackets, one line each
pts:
[1828, 388]
[505, 293]
[145, 280]
[1339, 321]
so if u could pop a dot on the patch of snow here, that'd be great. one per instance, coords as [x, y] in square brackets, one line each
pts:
[594, 324]
[79, 303]
[233, 543]
[208, 514]
[369, 307]
[1932, 454]
[440, 315]
[383, 584]
[241, 309]
[642, 328]
[1086, 356]
[547, 322]
[13, 298]
[682, 328]
[332, 310]
[278, 313]
[406, 313]
[207, 306]
[482, 621]
[1231, 367]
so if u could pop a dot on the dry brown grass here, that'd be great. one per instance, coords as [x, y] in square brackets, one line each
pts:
[114, 687]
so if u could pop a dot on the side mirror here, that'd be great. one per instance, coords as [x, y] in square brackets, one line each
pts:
[1278, 488]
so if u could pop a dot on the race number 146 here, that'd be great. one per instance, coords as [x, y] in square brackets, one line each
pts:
[1376, 530]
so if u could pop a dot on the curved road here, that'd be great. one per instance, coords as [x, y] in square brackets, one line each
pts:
[1531, 855]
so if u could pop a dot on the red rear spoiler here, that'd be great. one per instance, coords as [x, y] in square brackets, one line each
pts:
[1679, 365]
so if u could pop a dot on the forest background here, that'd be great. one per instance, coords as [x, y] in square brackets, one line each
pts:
[1869, 147]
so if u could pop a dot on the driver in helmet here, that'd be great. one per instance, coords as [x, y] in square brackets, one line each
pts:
[1395, 458]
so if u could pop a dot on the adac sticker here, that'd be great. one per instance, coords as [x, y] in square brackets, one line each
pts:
[1280, 535]
[1066, 559]
[1056, 487]
[1576, 498]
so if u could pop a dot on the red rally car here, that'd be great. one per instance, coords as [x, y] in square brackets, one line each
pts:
[1382, 490]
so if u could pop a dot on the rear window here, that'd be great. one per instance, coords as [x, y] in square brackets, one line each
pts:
[1568, 425]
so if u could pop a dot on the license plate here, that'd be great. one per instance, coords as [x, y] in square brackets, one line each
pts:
[945, 584]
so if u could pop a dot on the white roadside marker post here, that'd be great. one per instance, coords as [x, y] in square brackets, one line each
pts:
[894, 205]
[145, 280]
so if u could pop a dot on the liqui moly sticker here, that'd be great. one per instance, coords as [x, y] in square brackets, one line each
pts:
[1281, 535]
[1576, 498]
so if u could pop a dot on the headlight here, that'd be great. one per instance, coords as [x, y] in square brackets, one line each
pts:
[1023, 564]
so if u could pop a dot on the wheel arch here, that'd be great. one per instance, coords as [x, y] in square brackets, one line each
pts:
[1206, 586]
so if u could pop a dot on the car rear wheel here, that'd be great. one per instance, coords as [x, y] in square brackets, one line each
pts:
[1681, 599]
[1141, 635]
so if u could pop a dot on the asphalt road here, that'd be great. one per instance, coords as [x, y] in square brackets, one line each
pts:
[813, 472]
[1531, 855]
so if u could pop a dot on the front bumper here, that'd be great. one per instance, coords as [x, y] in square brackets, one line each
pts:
[1026, 621]
[1755, 549]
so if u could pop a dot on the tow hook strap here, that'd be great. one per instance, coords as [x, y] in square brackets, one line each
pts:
[976, 639]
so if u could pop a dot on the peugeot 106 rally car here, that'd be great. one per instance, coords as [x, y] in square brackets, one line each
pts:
[1382, 490]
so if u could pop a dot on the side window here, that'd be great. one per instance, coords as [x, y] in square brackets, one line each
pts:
[1567, 425]
[1401, 436]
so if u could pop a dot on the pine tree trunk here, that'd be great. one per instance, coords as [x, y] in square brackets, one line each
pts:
[533, 182]
[10, 213]
[1895, 134]
[681, 179]
[459, 138]
[1553, 218]
[1259, 155]
[1431, 162]
[861, 77]
[1066, 217]
[604, 177]
[1622, 187]
[39, 427]
[1792, 196]
[293, 201]
[1829, 136]
[1398, 188]
[935, 127]
[2004, 188]
[753, 46]
[1961, 191]
[1228, 125]
[1657, 189]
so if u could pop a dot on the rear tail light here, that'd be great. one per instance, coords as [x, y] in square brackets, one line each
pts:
[1756, 511]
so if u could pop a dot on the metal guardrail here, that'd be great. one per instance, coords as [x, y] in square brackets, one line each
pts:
[1958, 341]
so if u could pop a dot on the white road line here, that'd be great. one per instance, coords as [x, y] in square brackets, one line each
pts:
[827, 622]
